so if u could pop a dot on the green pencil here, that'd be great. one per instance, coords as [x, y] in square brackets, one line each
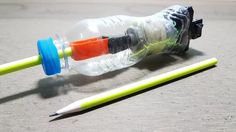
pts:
[134, 87]
[27, 62]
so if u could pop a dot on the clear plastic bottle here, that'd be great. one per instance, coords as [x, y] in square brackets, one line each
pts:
[130, 39]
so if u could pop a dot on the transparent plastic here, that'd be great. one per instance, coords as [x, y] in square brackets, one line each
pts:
[155, 34]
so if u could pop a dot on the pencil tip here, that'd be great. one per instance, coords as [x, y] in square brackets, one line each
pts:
[54, 114]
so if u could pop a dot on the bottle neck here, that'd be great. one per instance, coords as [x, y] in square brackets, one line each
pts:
[64, 51]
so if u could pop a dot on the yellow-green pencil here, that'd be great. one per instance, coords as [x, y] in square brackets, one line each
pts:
[134, 87]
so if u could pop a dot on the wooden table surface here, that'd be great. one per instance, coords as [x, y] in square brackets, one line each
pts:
[202, 102]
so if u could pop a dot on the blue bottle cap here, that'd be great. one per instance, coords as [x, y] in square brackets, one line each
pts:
[49, 56]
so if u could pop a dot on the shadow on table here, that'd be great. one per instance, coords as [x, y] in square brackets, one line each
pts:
[54, 86]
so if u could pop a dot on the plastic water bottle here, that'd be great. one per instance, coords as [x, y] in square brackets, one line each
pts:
[101, 45]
